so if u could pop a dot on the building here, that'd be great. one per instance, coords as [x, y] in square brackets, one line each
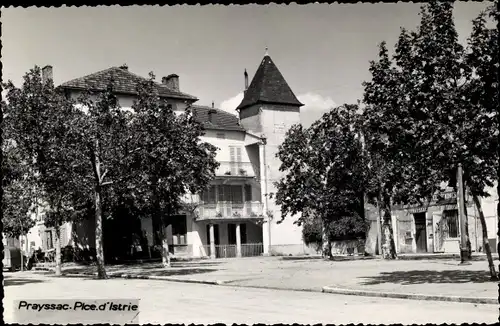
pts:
[435, 228]
[234, 217]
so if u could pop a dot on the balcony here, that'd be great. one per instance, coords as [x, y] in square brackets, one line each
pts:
[236, 169]
[229, 211]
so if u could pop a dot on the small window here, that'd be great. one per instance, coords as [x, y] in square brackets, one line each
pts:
[221, 135]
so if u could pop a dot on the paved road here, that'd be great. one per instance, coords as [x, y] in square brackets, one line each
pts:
[167, 302]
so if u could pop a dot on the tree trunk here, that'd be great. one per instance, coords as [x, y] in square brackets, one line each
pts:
[165, 253]
[493, 273]
[379, 226]
[58, 250]
[101, 270]
[469, 246]
[325, 243]
[388, 246]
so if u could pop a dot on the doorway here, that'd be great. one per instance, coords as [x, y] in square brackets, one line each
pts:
[420, 232]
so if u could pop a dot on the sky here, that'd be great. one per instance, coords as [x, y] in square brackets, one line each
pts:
[322, 50]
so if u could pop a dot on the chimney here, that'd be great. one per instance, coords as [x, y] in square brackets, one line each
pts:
[246, 80]
[212, 104]
[47, 73]
[171, 81]
[211, 113]
[124, 67]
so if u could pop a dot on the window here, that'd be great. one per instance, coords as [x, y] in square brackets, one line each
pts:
[451, 217]
[230, 194]
[179, 230]
[208, 195]
[235, 159]
[221, 135]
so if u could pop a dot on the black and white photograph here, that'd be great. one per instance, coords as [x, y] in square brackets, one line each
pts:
[251, 164]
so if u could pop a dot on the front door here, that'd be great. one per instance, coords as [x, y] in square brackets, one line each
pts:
[420, 232]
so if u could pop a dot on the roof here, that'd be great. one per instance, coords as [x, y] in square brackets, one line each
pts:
[268, 86]
[221, 120]
[125, 82]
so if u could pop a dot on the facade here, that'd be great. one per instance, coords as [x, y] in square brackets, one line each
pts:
[435, 228]
[234, 217]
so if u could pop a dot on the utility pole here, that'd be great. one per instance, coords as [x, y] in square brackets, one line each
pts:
[464, 252]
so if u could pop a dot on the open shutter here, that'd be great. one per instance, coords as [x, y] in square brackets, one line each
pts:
[238, 159]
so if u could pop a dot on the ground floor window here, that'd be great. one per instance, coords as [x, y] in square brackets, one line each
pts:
[451, 217]
[179, 230]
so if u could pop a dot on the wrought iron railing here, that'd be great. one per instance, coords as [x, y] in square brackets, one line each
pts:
[230, 210]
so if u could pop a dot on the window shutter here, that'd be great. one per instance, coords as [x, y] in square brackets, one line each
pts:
[248, 193]
[238, 154]
[232, 154]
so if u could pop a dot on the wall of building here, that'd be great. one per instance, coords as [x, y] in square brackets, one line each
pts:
[275, 123]
[251, 119]
[127, 101]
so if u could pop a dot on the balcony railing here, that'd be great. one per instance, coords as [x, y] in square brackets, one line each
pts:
[237, 169]
[229, 210]
[229, 251]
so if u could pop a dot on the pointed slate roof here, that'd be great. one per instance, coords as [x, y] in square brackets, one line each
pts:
[268, 86]
[125, 82]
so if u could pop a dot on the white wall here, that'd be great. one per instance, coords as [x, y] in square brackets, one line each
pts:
[275, 124]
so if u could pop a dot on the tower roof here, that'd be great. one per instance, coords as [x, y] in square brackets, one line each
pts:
[268, 86]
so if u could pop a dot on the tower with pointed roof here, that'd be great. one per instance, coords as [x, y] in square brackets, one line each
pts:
[268, 109]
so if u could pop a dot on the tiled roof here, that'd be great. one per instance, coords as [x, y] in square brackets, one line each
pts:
[124, 82]
[221, 120]
[268, 86]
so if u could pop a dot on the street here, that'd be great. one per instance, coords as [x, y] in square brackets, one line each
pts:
[170, 302]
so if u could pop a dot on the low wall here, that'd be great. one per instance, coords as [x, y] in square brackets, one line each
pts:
[293, 250]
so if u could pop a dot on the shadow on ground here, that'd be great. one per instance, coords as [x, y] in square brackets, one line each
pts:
[181, 272]
[428, 276]
[138, 267]
[12, 281]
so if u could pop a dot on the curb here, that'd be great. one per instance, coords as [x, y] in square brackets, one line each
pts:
[146, 277]
[412, 296]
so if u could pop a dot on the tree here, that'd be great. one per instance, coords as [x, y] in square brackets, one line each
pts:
[17, 194]
[425, 101]
[324, 178]
[483, 128]
[36, 120]
[103, 151]
[173, 160]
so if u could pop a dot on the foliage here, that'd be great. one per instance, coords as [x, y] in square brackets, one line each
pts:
[426, 110]
[324, 167]
[172, 161]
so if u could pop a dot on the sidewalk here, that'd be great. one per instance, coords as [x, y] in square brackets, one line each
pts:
[423, 277]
